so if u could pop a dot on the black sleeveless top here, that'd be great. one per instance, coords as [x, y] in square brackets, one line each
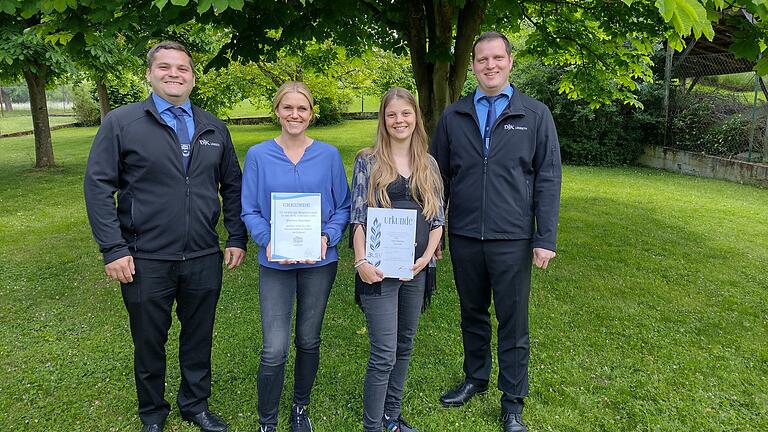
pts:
[399, 192]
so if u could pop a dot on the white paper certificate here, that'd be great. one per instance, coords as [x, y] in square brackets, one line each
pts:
[295, 226]
[390, 241]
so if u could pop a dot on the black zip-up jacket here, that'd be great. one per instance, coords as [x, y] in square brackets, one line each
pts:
[162, 213]
[512, 194]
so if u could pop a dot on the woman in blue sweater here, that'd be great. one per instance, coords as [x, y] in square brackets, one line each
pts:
[293, 162]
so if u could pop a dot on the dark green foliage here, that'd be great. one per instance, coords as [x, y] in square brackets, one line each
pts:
[218, 90]
[732, 135]
[85, 106]
[469, 85]
[613, 134]
[124, 89]
[716, 124]
[331, 104]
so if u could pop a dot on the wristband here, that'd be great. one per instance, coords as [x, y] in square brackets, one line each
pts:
[360, 262]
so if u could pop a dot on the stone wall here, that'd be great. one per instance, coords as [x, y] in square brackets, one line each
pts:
[697, 164]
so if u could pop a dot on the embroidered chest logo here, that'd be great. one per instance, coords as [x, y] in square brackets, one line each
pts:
[205, 142]
[514, 127]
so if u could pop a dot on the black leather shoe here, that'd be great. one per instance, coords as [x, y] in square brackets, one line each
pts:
[462, 394]
[207, 422]
[513, 422]
[154, 427]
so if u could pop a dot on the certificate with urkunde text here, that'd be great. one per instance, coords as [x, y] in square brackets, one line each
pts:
[295, 227]
[390, 241]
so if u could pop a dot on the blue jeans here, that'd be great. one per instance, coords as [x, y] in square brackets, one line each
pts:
[310, 288]
[392, 320]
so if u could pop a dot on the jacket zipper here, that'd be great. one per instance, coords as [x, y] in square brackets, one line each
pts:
[482, 205]
[195, 136]
[186, 216]
[485, 175]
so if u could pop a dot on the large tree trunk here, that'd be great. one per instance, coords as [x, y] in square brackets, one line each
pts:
[38, 103]
[7, 101]
[440, 65]
[101, 89]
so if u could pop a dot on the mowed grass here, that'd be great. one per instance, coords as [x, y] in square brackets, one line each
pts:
[652, 317]
[21, 120]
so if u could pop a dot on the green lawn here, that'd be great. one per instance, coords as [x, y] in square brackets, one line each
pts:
[746, 97]
[247, 108]
[652, 317]
[21, 120]
[365, 104]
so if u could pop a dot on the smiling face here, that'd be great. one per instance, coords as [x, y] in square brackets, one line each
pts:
[400, 119]
[171, 75]
[294, 113]
[491, 65]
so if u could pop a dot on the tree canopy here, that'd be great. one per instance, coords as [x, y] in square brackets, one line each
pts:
[604, 47]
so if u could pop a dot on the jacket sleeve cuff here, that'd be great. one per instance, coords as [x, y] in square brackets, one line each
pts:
[116, 255]
[543, 244]
[236, 244]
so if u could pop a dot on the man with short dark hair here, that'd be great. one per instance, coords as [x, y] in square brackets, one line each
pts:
[168, 161]
[499, 156]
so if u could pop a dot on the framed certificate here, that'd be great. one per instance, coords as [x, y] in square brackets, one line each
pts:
[295, 226]
[390, 241]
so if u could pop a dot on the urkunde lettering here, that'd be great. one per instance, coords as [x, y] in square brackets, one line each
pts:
[392, 220]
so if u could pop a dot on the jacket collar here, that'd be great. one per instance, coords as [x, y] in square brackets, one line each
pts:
[466, 104]
[149, 106]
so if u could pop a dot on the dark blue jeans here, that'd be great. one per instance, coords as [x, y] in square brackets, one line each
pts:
[309, 288]
[392, 319]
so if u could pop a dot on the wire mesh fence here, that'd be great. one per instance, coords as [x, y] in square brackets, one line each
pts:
[718, 115]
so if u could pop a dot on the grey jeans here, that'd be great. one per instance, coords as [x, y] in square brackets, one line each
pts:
[392, 320]
[279, 290]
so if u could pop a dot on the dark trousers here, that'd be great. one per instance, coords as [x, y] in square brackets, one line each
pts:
[195, 286]
[309, 288]
[498, 269]
[392, 318]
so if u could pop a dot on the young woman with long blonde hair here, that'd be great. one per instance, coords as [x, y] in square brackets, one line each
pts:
[397, 172]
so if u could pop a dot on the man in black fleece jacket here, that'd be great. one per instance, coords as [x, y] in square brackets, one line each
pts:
[499, 157]
[168, 162]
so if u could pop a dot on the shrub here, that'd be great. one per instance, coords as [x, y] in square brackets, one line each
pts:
[729, 138]
[85, 106]
[609, 135]
[331, 104]
[330, 96]
[125, 89]
[219, 90]
[711, 123]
